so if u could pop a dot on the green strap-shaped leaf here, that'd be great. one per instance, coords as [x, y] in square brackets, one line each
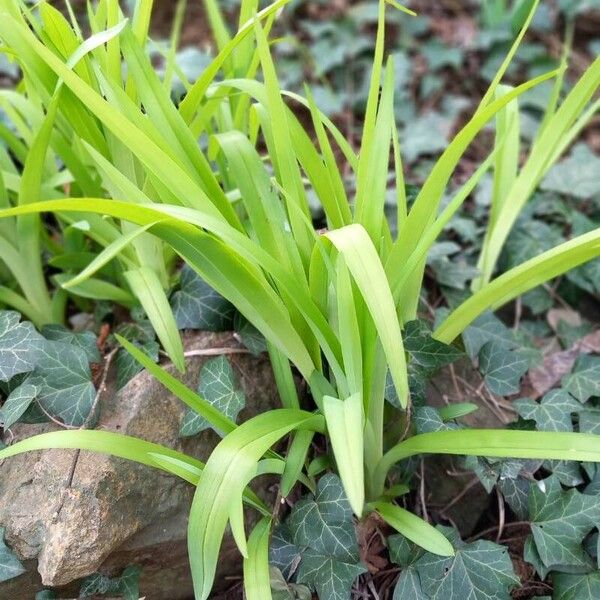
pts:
[415, 529]
[493, 443]
[217, 500]
[257, 581]
[106, 255]
[519, 280]
[106, 442]
[144, 282]
[194, 97]
[225, 266]
[364, 264]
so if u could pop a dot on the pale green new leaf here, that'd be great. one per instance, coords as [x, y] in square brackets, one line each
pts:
[345, 422]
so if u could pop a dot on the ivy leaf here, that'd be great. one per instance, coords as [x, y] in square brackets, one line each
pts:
[502, 368]
[129, 583]
[325, 522]
[480, 570]
[553, 413]
[17, 403]
[19, 345]
[487, 328]
[128, 367]
[584, 380]
[452, 273]
[64, 380]
[84, 340]
[424, 350]
[577, 176]
[589, 422]
[559, 522]
[409, 586]
[530, 554]
[217, 386]
[418, 379]
[322, 528]
[516, 493]
[529, 239]
[283, 553]
[10, 565]
[487, 472]
[198, 306]
[427, 419]
[332, 578]
[281, 590]
[576, 587]
[403, 552]
[426, 135]
[252, 339]
[137, 331]
[587, 276]
[126, 586]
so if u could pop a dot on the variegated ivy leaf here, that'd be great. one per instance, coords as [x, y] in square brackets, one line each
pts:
[576, 586]
[560, 520]
[426, 351]
[319, 542]
[584, 380]
[84, 340]
[219, 387]
[502, 368]
[64, 379]
[198, 306]
[17, 403]
[553, 413]
[487, 328]
[480, 570]
[19, 345]
[10, 565]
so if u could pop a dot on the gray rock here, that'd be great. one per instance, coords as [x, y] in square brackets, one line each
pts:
[77, 513]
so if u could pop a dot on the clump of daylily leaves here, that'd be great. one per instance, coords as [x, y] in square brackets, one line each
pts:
[117, 161]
